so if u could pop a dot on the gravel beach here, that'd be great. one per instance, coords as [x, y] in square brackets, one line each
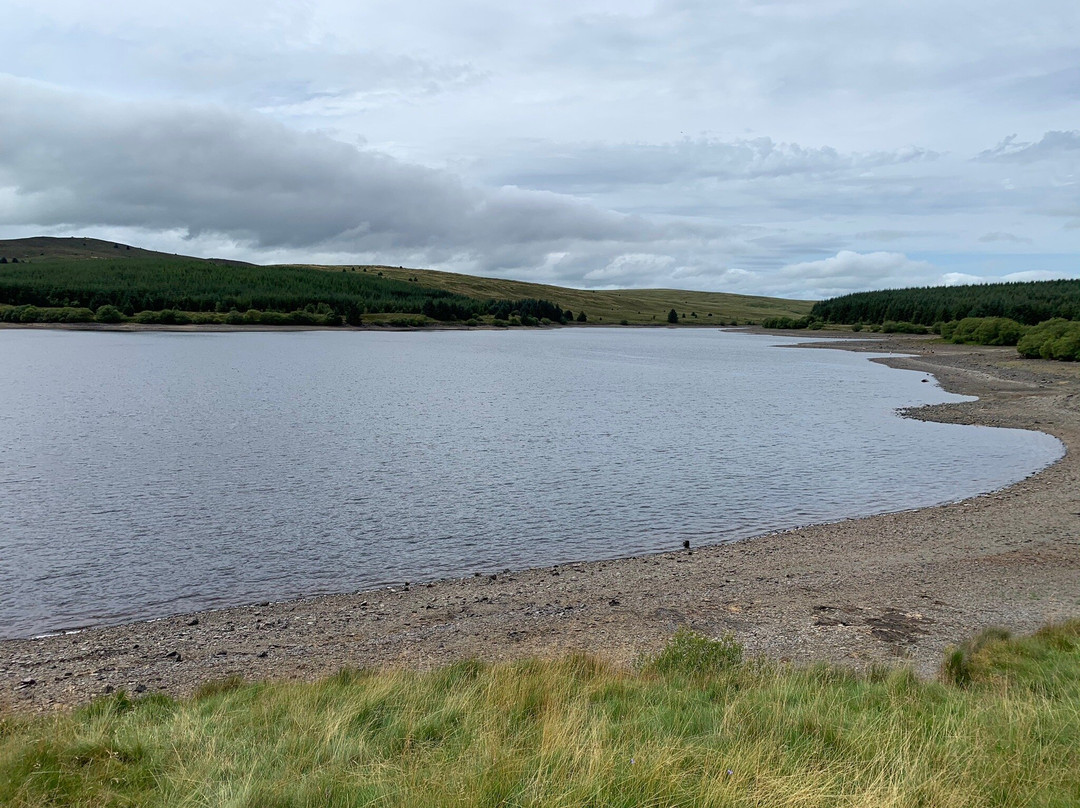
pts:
[896, 588]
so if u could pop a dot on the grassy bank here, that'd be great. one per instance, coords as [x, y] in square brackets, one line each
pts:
[696, 726]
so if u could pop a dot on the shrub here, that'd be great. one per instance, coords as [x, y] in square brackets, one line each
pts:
[69, 314]
[108, 314]
[857, 327]
[234, 317]
[787, 322]
[173, 317]
[892, 327]
[983, 331]
[1053, 339]
[673, 316]
[29, 314]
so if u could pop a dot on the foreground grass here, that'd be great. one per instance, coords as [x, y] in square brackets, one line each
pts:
[696, 726]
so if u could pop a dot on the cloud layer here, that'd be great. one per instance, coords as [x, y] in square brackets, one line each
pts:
[802, 149]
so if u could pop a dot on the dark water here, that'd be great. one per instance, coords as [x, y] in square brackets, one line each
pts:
[148, 474]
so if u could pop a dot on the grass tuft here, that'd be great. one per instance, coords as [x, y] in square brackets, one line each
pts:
[693, 654]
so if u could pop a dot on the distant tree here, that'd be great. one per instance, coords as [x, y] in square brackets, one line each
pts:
[568, 316]
[14, 260]
[3, 260]
[581, 318]
[673, 316]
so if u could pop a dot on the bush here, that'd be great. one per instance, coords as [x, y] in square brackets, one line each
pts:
[787, 322]
[253, 317]
[234, 317]
[982, 331]
[1053, 339]
[892, 327]
[691, 653]
[407, 322]
[69, 314]
[108, 314]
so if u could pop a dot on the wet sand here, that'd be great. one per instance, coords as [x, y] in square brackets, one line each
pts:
[895, 588]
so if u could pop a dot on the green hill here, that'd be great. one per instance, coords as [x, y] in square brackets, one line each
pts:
[75, 273]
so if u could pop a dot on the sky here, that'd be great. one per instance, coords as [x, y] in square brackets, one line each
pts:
[799, 149]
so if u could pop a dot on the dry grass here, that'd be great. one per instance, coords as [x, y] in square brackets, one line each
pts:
[709, 730]
[610, 307]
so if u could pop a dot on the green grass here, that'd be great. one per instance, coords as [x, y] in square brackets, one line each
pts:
[610, 307]
[702, 728]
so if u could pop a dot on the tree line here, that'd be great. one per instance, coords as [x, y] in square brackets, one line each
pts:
[1029, 303]
[164, 286]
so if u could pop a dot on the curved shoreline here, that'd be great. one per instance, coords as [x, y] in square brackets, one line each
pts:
[902, 585]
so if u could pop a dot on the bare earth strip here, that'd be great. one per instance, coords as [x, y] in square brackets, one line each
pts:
[896, 587]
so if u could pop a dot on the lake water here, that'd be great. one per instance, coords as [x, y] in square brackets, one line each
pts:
[154, 473]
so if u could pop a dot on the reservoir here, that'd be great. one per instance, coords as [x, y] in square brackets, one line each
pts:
[148, 474]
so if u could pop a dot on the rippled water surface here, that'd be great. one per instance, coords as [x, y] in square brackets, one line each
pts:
[154, 473]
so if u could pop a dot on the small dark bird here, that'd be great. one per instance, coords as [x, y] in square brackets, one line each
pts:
[686, 544]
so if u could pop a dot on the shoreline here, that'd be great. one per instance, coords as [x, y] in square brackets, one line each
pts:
[899, 586]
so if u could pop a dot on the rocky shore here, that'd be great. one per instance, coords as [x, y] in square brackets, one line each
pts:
[892, 588]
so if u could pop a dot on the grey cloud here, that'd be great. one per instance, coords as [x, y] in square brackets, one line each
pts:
[593, 167]
[1052, 146]
[77, 161]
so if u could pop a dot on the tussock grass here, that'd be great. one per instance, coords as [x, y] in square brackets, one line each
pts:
[702, 727]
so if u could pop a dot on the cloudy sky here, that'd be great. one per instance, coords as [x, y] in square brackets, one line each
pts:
[802, 149]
